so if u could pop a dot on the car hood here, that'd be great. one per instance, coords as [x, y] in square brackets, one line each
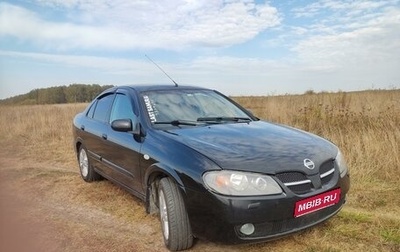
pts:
[257, 146]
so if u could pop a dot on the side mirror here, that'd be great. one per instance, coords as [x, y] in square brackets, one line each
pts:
[126, 125]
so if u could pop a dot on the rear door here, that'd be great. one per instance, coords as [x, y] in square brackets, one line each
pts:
[95, 130]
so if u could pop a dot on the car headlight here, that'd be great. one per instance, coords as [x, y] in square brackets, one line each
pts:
[341, 163]
[238, 183]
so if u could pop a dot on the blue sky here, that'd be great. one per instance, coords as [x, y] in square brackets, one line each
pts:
[237, 47]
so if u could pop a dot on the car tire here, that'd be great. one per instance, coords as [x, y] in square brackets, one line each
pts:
[174, 220]
[85, 168]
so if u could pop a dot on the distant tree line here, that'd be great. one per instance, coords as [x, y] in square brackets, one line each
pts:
[74, 93]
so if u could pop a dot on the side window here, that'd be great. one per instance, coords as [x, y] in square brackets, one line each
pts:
[102, 108]
[91, 110]
[122, 108]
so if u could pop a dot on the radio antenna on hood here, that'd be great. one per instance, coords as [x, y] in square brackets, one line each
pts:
[176, 84]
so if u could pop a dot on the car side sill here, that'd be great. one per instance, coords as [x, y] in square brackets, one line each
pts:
[130, 190]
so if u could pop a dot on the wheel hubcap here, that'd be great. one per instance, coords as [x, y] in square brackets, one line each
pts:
[163, 215]
[83, 163]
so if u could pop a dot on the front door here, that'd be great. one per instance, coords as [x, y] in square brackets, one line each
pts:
[123, 151]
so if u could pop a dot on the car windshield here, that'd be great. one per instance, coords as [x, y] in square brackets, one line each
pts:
[191, 107]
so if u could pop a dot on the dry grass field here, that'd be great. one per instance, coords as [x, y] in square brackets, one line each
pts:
[45, 206]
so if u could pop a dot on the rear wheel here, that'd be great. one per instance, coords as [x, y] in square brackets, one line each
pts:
[87, 172]
[173, 216]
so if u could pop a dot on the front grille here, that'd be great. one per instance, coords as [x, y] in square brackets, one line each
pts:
[296, 181]
[300, 184]
[325, 167]
[263, 230]
[301, 189]
[289, 177]
[325, 180]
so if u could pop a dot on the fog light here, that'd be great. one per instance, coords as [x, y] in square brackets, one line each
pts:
[247, 229]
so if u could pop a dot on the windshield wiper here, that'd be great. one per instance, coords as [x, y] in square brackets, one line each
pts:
[179, 122]
[223, 119]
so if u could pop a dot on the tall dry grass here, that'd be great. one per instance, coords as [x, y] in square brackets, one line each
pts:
[365, 125]
[40, 132]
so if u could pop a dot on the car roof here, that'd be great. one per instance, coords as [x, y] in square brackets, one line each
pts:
[154, 87]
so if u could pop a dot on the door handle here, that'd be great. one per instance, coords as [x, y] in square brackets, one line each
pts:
[104, 136]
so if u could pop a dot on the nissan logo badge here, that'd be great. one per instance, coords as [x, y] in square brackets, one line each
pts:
[309, 164]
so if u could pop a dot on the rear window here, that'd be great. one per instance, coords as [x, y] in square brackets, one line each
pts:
[102, 108]
[91, 109]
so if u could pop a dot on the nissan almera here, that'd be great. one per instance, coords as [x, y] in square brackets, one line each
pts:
[208, 167]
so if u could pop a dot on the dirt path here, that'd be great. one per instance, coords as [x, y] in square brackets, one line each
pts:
[42, 209]
[48, 207]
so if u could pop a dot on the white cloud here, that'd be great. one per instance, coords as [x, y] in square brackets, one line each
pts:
[351, 7]
[376, 41]
[198, 66]
[231, 75]
[341, 45]
[123, 24]
[103, 64]
[351, 47]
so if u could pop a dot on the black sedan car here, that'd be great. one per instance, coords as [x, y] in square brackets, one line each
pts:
[207, 166]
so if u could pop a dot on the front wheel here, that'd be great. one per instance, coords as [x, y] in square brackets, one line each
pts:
[173, 216]
[86, 170]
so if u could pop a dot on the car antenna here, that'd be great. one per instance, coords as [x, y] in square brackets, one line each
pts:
[176, 84]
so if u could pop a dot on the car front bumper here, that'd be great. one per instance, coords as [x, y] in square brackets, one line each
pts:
[219, 218]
